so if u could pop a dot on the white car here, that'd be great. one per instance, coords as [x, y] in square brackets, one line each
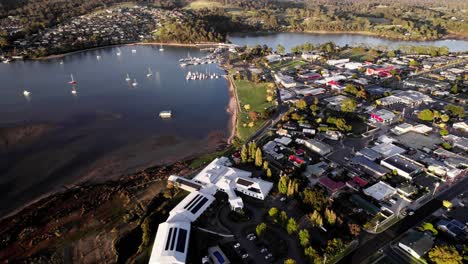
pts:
[237, 245]
[253, 237]
[263, 250]
[282, 199]
[269, 256]
[245, 256]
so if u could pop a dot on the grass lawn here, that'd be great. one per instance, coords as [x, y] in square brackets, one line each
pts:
[205, 159]
[254, 95]
[290, 64]
[199, 4]
[359, 54]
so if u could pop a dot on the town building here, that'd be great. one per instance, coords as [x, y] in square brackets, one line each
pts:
[368, 153]
[383, 116]
[405, 167]
[417, 244]
[172, 237]
[409, 97]
[285, 80]
[370, 167]
[317, 146]
[380, 191]
[331, 185]
[388, 149]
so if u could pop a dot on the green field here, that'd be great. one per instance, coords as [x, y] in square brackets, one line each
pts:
[359, 54]
[199, 4]
[290, 64]
[254, 95]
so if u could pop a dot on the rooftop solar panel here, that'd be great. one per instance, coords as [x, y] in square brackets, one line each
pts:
[199, 205]
[180, 247]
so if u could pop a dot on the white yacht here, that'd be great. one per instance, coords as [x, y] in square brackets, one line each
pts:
[165, 114]
[119, 52]
[150, 73]
[26, 93]
[133, 50]
[134, 83]
[128, 78]
[161, 48]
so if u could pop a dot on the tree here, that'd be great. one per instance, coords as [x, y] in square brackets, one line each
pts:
[273, 213]
[281, 49]
[334, 247]
[292, 226]
[253, 116]
[444, 118]
[354, 229]
[304, 237]
[348, 105]
[258, 158]
[247, 107]
[316, 218]
[444, 132]
[314, 197]
[454, 110]
[301, 104]
[426, 115]
[445, 255]
[290, 261]
[391, 54]
[283, 184]
[446, 145]
[260, 229]
[312, 255]
[252, 150]
[447, 204]
[428, 227]
[269, 98]
[265, 165]
[414, 63]
[283, 218]
[293, 187]
[244, 154]
[330, 216]
[455, 89]
[268, 173]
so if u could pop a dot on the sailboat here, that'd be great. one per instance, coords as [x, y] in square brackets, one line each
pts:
[61, 62]
[150, 73]
[73, 91]
[128, 78]
[72, 80]
[119, 52]
[161, 48]
[134, 82]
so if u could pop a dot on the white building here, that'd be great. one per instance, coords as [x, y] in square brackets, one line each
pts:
[285, 80]
[388, 149]
[317, 146]
[171, 243]
[404, 166]
[380, 191]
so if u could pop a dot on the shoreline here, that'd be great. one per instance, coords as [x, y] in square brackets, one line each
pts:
[233, 111]
[169, 44]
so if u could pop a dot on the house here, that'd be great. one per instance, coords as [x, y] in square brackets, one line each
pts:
[405, 167]
[452, 227]
[406, 190]
[421, 129]
[370, 154]
[382, 116]
[331, 185]
[335, 62]
[402, 129]
[273, 58]
[317, 146]
[285, 80]
[317, 169]
[171, 243]
[335, 102]
[270, 149]
[356, 183]
[417, 244]
[458, 142]
[370, 167]
[311, 56]
[380, 191]
[463, 126]
[409, 97]
[388, 149]
[379, 70]
[285, 141]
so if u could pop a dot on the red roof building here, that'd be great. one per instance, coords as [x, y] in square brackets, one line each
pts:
[331, 185]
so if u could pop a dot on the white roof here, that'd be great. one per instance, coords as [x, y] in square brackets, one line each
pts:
[171, 243]
[191, 207]
[388, 149]
[283, 140]
[380, 191]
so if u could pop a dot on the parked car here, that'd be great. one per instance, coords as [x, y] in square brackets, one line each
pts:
[245, 256]
[282, 199]
[269, 256]
[237, 245]
[264, 250]
[252, 237]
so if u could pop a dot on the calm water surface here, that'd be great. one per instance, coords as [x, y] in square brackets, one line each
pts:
[293, 39]
[106, 115]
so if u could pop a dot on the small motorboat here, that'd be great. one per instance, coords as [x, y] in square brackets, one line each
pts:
[165, 114]
[134, 83]
[26, 93]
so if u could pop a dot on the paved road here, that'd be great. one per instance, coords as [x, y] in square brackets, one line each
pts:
[372, 245]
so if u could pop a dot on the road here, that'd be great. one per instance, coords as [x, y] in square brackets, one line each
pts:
[376, 242]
